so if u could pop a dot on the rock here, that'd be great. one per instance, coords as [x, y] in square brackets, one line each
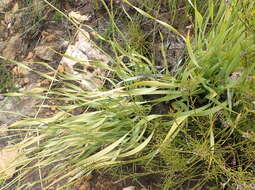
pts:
[8, 157]
[2, 31]
[10, 105]
[129, 188]
[2, 46]
[13, 46]
[45, 53]
[13, 108]
[89, 54]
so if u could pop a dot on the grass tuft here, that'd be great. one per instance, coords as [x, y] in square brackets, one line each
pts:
[195, 127]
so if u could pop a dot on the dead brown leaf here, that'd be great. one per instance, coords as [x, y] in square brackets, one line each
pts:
[48, 37]
[78, 17]
[45, 82]
[15, 7]
[20, 71]
[30, 56]
[24, 81]
[61, 69]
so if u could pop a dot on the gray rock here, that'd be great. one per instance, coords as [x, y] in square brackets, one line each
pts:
[12, 108]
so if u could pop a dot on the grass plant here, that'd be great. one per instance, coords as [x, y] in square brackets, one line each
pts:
[195, 128]
[6, 80]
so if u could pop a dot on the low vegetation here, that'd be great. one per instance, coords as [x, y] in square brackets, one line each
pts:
[5, 79]
[191, 125]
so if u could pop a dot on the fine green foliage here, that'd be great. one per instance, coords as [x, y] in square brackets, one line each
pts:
[6, 82]
[194, 127]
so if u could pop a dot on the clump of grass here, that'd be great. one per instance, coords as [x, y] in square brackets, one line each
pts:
[6, 80]
[204, 137]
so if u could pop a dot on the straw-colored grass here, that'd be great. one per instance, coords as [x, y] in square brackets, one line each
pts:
[204, 140]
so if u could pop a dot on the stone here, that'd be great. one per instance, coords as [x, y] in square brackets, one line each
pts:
[8, 157]
[2, 46]
[82, 53]
[13, 46]
[2, 31]
[45, 53]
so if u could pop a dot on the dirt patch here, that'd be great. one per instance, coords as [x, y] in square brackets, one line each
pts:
[105, 181]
